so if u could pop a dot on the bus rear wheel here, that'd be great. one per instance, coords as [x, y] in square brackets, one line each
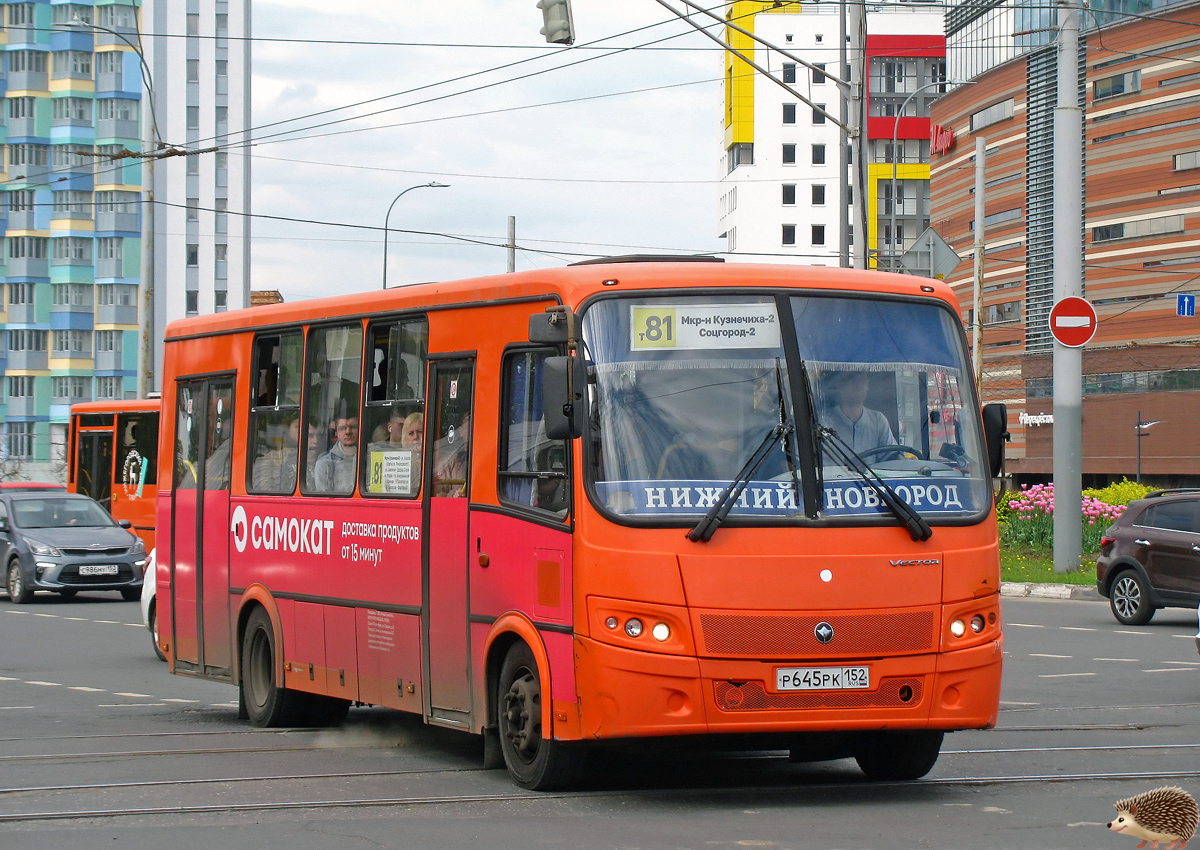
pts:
[898, 756]
[266, 703]
[535, 762]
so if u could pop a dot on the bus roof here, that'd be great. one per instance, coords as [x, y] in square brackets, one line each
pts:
[132, 405]
[569, 285]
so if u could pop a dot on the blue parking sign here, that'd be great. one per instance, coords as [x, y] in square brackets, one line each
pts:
[1185, 305]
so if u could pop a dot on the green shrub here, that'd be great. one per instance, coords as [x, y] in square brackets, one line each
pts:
[1121, 493]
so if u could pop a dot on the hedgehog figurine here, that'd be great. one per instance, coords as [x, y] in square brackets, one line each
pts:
[1164, 814]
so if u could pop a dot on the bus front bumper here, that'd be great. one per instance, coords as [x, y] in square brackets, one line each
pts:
[626, 693]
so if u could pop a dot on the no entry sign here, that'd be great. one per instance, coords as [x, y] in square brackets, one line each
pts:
[1073, 322]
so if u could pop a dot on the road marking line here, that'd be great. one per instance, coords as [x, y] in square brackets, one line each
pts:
[7, 679]
[110, 622]
[169, 699]
[1116, 659]
[1062, 675]
[1002, 702]
[1047, 655]
[1123, 632]
[1188, 663]
[15, 612]
[1026, 625]
[1189, 637]
[135, 625]
[1169, 670]
[55, 616]
[77, 619]
[130, 704]
[1077, 629]
[136, 696]
[13, 707]
[46, 684]
[87, 689]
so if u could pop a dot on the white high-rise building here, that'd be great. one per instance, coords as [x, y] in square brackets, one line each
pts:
[201, 100]
[779, 193]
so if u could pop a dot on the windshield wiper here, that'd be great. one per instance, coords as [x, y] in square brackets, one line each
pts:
[720, 509]
[917, 527]
[724, 504]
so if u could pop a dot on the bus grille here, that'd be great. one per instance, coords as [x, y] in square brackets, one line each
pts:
[791, 635]
[752, 696]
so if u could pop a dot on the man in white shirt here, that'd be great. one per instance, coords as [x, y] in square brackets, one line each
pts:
[859, 426]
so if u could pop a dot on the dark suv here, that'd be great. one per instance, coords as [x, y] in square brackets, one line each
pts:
[1150, 557]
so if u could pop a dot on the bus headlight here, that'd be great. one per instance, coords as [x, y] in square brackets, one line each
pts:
[958, 628]
[977, 623]
[661, 632]
[633, 627]
[612, 622]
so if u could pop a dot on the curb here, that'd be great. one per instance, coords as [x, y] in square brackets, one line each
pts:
[1038, 590]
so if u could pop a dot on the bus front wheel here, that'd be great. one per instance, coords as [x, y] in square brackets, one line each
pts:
[266, 703]
[535, 762]
[898, 756]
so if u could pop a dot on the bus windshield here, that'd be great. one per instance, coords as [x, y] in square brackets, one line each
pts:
[687, 387]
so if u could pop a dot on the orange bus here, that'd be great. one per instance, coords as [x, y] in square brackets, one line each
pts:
[112, 456]
[618, 499]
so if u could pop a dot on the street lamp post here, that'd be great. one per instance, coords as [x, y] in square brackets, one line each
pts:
[893, 259]
[433, 184]
[1140, 425]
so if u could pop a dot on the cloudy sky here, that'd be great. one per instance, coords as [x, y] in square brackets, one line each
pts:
[628, 166]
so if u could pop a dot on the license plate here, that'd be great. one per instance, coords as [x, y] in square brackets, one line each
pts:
[822, 678]
[98, 570]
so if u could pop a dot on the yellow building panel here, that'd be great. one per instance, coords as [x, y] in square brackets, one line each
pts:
[877, 171]
[77, 224]
[102, 326]
[26, 93]
[81, 363]
[72, 85]
[43, 233]
[28, 373]
[739, 76]
[117, 187]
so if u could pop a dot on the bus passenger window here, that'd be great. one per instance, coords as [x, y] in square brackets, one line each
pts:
[533, 469]
[275, 413]
[394, 416]
[137, 452]
[334, 378]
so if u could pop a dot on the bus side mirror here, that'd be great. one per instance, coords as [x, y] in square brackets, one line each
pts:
[564, 397]
[995, 433]
[551, 328]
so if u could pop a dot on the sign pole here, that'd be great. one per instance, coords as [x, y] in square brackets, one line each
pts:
[1068, 282]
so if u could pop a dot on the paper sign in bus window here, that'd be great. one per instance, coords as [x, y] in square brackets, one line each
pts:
[692, 328]
[391, 472]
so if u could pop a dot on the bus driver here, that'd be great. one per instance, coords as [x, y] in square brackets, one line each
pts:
[859, 426]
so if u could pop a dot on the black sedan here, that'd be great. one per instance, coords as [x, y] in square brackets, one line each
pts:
[65, 543]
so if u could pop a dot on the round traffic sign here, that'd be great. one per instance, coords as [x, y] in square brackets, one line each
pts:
[1073, 322]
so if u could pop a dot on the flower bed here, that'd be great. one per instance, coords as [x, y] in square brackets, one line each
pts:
[1030, 514]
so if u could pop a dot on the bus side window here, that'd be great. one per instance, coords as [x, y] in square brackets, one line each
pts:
[394, 413]
[533, 469]
[137, 451]
[275, 413]
[334, 380]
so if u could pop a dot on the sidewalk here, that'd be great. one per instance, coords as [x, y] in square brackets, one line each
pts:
[1038, 590]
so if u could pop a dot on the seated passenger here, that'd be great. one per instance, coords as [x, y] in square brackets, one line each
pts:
[859, 426]
[336, 470]
[275, 467]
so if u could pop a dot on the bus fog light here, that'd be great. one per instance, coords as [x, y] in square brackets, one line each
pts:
[977, 623]
[611, 622]
[958, 628]
[633, 627]
[661, 631]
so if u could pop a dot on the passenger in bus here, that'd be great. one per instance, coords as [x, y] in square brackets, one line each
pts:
[413, 435]
[336, 470]
[859, 426]
[275, 467]
[451, 460]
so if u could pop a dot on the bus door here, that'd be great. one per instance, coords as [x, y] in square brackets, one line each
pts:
[200, 554]
[445, 546]
[94, 465]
